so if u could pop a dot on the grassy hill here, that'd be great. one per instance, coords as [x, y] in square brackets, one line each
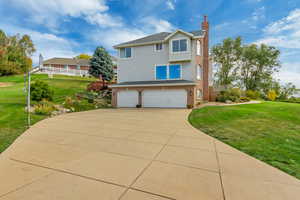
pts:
[269, 131]
[13, 118]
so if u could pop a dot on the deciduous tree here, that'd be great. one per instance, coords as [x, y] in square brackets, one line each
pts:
[227, 56]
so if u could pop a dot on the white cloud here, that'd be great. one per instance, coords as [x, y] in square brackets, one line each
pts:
[259, 14]
[285, 35]
[50, 13]
[170, 5]
[113, 36]
[289, 23]
[109, 38]
[290, 72]
[285, 32]
[152, 24]
[104, 20]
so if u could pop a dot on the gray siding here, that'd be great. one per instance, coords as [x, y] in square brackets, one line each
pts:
[179, 56]
[141, 66]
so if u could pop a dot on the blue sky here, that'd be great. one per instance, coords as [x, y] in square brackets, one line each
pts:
[65, 28]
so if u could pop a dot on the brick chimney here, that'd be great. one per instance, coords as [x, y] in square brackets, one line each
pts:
[205, 29]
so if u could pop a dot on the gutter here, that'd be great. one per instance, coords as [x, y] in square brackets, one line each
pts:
[151, 85]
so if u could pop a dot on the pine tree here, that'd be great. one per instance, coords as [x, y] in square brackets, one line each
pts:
[101, 65]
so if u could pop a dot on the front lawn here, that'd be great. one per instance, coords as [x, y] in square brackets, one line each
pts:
[269, 131]
[13, 118]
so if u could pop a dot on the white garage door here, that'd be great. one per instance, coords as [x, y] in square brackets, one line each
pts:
[127, 98]
[176, 98]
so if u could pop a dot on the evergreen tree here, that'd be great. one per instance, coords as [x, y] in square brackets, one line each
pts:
[101, 65]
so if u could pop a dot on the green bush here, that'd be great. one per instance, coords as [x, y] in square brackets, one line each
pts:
[253, 94]
[245, 99]
[40, 90]
[44, 108]
[76, 105]
[232, 94]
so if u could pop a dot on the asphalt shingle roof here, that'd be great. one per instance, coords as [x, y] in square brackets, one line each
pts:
[67, 61]
[156, 37]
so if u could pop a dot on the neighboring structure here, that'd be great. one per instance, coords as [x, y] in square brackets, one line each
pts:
[164, 70]
[70, 66]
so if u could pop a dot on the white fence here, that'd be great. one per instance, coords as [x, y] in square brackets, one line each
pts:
[64, 71]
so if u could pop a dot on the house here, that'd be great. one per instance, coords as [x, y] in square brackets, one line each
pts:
[71, 66]
[164, 70]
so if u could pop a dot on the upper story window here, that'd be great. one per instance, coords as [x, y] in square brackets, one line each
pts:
[198, 48]
[125, 52]
[199, 72]
[158, 47]
[165, 72]
[179, 45]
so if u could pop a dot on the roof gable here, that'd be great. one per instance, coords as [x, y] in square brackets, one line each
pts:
[158, 37]
[178, 31]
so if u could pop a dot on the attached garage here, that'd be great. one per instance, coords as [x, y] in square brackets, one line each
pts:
[127, 98]
[164, 98]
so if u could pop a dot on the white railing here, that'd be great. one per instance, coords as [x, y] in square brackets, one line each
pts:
[64, 71]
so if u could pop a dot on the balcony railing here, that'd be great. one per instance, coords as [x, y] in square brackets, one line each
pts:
[64, 71]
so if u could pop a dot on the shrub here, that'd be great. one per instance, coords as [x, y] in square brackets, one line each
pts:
[96, 86]
[76, 105]
[252, 94]
[272, 95]
[245, 99]
[232, 94]
[44, 108]
[40, 90]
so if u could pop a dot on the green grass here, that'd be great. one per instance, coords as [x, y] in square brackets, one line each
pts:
[269, 131]
[13, 118]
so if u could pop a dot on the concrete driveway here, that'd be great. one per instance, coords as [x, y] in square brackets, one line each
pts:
[130, 154]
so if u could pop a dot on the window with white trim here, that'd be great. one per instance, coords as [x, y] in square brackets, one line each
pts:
[125, 52]
[198, 48]
[199, 94]
[168, 72]
[179, 45]
[158, 47]
[199, 72]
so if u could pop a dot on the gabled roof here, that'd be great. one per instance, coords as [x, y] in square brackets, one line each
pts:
[158, 37]
[71, 61]
[67, 61]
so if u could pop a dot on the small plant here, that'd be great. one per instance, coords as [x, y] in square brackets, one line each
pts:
[138, 106]
[40, 90]
[272, 95]
[252, 94]
[232, 95]
[96, 86]
[245, 99]
[44, 108]
[189, 106]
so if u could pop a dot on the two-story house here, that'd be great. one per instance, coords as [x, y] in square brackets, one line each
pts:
[164, 70]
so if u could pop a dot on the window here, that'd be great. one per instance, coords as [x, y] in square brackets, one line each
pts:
[164, 72]
[199, 94]
[199, 72]
[198, 48]
[158, 47]
[125, 53]
[179, 45]
[161, 72]
[174, 71]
